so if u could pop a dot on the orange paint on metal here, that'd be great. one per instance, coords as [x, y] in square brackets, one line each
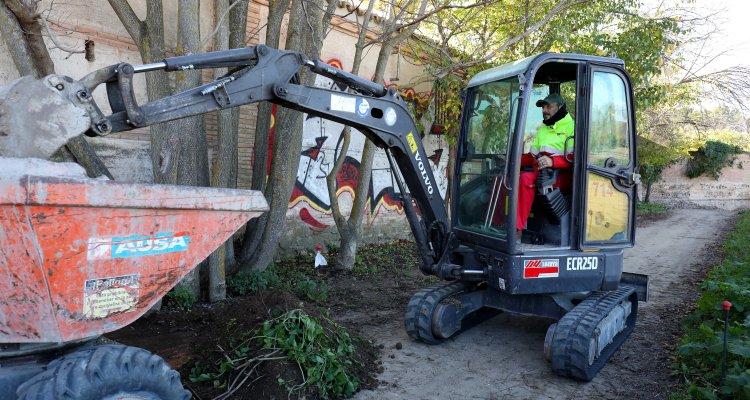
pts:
[82, 257]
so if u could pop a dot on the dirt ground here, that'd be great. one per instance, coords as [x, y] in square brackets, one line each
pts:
[502, 357]
[497, 359]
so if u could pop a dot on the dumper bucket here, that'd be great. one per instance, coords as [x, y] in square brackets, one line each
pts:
[80, 257]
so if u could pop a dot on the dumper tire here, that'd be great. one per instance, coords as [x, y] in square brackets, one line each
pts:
[104, 372]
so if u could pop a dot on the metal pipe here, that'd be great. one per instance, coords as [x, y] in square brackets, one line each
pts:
[149, 67]
[472, 271]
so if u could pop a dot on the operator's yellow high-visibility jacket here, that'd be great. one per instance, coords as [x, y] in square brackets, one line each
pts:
[549, 141]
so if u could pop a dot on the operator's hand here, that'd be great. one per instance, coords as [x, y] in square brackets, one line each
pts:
[544, 162]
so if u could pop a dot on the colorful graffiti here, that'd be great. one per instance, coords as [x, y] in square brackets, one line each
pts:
[321, 143]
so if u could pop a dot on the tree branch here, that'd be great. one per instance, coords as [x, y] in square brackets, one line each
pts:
[218, 24]
[55, 40]
[129, 19]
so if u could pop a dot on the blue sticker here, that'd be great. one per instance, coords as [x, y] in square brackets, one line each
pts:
[363, 108]
[137, 245]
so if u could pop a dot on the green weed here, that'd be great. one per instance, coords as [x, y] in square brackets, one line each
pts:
[362, 267]
[180, 297]
[244, 283]
[700, 350]
[311, 289]
[323, 351]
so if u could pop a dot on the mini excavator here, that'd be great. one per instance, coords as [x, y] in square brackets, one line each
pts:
[565, 265]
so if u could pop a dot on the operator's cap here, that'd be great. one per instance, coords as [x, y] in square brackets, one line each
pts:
[552, 98]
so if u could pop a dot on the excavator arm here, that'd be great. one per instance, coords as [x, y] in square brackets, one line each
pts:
[260, 73]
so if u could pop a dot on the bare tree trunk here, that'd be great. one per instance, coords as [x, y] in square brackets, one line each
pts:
[33, 41]
[347, 227]
[217, 287]
[449, 170]
[15, 41]
[225, 167]
[253, 232]
[307, 24]
[191, 164]
[87, 158]
[350, 230]
[350, 235]
[178, 148]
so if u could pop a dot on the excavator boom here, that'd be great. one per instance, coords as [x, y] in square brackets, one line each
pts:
[256, 74]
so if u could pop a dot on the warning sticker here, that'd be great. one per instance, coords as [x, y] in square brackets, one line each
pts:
[105, 296]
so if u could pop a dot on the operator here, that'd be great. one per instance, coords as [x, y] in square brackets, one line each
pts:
[547, 151]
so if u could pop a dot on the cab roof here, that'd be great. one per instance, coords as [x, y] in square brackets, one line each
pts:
[533, 62]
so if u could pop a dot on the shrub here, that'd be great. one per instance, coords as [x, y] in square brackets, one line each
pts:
[711, 158]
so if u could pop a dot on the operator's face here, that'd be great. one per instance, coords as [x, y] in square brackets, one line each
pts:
[548, 110]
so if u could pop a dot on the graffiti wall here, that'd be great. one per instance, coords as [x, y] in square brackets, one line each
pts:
[322, 140]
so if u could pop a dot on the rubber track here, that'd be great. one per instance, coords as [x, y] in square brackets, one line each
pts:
[570, 344]
[101, 370]
[418, 318]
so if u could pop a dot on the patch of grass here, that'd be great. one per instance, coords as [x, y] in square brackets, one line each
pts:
[645, 208]
[180, 297]
[244, 283]
[700, 350]
[363, 268]
[322, 349]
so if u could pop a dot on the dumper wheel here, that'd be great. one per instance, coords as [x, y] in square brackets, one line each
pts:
[106, 372]
[418, 319]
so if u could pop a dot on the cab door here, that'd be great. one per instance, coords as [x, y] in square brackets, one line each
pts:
[610, 181]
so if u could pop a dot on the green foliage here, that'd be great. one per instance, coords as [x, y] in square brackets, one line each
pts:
[181, 297]
[311, 289]
[244, 283]
[450, 94]
[322, 349]
[699, 351]
[294, 275]
[364, 268]
[711, 158]
[646, 208]
[653, 159]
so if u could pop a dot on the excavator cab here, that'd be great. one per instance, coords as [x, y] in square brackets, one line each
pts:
[499, 124]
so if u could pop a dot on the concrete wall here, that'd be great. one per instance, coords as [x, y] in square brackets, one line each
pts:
[730, 192]
[309, 219]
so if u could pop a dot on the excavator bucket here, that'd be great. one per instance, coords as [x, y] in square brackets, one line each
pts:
[80, 257]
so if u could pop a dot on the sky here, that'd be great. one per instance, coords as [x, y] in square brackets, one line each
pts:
[732, 20]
